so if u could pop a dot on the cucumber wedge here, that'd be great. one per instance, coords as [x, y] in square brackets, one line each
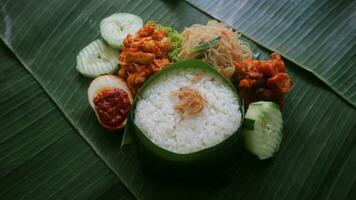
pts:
[97, 59]
[263, 129]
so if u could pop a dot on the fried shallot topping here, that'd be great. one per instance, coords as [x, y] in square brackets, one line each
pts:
[197, 77]
[191, 101]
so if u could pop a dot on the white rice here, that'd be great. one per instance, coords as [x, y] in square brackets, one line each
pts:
[156, 117]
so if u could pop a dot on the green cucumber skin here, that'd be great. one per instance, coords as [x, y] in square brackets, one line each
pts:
[158, 160]
[91, 69]
[249, 123]
[263, 111]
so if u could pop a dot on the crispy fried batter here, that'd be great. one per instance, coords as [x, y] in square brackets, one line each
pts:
[280, 83]
[139, 57]
[262, 79]
[159, 64]
[143, 55]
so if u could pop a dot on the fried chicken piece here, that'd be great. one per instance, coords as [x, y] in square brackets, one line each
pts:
[262, 79]
[159, 64]
[158, 35]
[150, 46]
[134, 81]
[280, 83]
[140, 57]
[165, 44]
[143, 55]
[147, 30]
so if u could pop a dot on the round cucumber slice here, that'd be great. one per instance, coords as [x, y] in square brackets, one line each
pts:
[263, 129]
[97, 59]
[116, 27]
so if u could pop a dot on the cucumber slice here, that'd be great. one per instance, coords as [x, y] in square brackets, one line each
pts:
[116, 27]
[97, 59]
[263, 129]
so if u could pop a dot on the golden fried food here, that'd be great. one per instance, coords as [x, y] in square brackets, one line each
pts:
[262, 80]
[143, 55]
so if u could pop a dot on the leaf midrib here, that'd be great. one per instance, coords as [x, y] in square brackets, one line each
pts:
[72, 123]
[96, 151]
[304, 67]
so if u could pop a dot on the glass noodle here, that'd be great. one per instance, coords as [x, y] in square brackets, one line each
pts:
[229, 50]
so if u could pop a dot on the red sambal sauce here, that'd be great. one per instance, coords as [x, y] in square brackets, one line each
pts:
[112, 106]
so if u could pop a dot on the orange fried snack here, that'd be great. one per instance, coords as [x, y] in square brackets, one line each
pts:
[143, 55]
[262, 80]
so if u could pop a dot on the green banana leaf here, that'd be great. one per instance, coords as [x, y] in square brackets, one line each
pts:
[318, 35]
[41, 155]
[316, 159]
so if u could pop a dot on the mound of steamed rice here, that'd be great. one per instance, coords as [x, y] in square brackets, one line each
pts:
[157, 118]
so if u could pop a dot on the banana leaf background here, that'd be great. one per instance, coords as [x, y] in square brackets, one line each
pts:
[52, 147]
